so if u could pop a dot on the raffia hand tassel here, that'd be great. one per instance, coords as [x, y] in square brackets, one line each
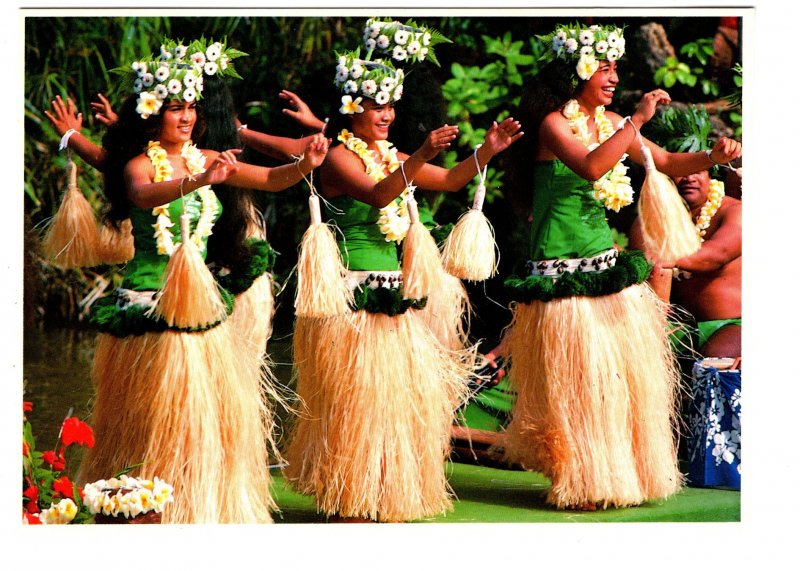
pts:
[189, 297]
[470, 250]
[116, 244]
[72, 238]
[667, 226]
[423, 272]
[321, 288]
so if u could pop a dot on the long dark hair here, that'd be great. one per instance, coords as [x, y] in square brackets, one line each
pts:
[554, 85]
[123, 141]
[239, 205]
[215, 130]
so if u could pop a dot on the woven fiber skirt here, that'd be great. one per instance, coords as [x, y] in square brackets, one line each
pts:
[596, 410]
[378, 396]
[192, 408]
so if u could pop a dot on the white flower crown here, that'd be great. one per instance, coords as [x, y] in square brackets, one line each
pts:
[178, 72]
[407, 42]
[587, 45]
[357, 78]
[378, 79]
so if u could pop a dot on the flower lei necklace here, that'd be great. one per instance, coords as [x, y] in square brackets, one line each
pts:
[613, 188]
[703, 220]
[393, 220]
[195, 164]
[709, 209]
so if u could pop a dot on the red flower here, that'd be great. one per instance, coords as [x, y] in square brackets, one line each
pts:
[63, 486]
[32, 493]
[57, 462]
[32, 519]
[73, 431]
[26, 450]
[27, 406]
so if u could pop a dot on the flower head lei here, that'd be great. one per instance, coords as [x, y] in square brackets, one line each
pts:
[393, 219]
[407, 42]
[585, 45]
[613, 188]
[195, 164]
[358, 77]
[178, 72]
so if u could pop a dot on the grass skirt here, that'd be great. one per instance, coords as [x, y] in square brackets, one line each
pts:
[447, 313]
[597, 408]
[251, 319]
[191, 406]
[378, 398]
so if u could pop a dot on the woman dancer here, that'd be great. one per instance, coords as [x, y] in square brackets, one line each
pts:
[379, 391]
[238, 251]
[184, 400]
[590, 359]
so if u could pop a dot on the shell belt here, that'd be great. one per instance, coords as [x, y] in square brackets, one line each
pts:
[556, 267]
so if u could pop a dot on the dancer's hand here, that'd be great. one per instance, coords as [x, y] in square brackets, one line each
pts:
[501, 136]
[103, 111]
[315, 152]
[223, 166]
[436, 141]
[64, 116]
[726, 150]
[302, 112]
[647, 106]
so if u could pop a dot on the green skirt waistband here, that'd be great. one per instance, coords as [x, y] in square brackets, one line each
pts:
[631, 268]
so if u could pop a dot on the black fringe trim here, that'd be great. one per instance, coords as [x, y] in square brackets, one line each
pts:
[384, 300]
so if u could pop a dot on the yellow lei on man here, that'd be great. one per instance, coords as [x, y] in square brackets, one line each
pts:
[393, 220]
[613, 188]
[715, 195]
[195, 163]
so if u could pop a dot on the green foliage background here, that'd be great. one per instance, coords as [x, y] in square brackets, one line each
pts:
[479, 81]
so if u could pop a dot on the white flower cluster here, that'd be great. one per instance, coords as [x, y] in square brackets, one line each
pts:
[403, 42]
[178, 73]
[358, 78]
[715, 195]
[588, 46]
[127, 496]
[60, 513]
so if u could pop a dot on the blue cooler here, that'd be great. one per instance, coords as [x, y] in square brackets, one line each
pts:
[714, 441]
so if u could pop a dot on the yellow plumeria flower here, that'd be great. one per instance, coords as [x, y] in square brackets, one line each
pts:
[586, 67]
[350, 105]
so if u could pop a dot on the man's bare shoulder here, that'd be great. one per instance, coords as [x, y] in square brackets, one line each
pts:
[730, 210]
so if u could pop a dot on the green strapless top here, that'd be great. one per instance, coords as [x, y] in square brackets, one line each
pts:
[568, 221]
[145, 271]
[360, 240]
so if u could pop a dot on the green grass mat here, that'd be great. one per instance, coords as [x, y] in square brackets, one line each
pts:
[489, 495]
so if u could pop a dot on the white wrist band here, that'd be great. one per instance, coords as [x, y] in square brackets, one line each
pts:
[241, 127]
[65, 139]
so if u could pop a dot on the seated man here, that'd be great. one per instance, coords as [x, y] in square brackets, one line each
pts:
[708, 283]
